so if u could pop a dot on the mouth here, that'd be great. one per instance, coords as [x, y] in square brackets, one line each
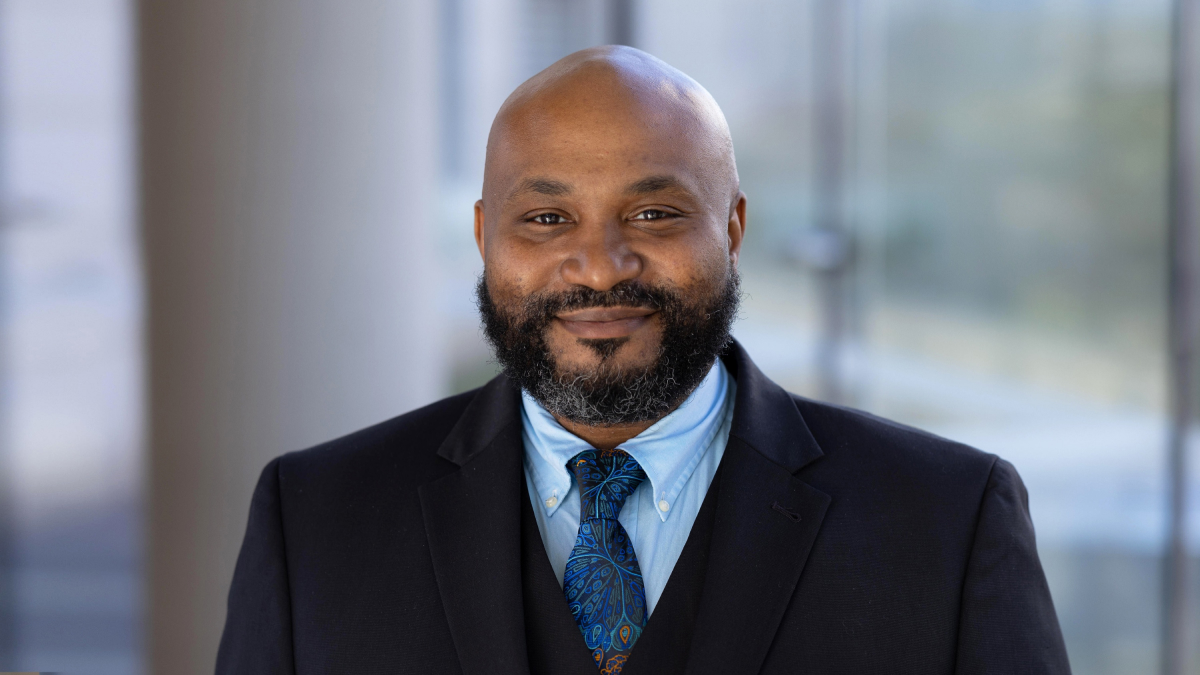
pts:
[598, 323]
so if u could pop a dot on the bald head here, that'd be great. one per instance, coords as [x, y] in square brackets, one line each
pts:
[610, 100]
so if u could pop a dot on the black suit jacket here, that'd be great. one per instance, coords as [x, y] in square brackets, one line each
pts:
[841, 543]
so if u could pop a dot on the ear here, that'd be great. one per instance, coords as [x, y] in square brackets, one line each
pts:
[479, 229]
[737, 226]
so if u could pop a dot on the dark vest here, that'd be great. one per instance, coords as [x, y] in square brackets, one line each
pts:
[553, 639]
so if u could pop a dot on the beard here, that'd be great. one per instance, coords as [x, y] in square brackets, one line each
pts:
[695, 329]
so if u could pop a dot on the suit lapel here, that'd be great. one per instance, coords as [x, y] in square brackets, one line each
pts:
[765, 526]
[472, 521]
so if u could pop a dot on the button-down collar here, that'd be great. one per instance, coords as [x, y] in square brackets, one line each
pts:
[668, 451]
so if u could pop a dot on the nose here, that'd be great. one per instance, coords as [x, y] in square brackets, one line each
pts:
[600, 258]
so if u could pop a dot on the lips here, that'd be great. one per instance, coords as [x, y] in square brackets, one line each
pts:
[602, 314]
[605, 322]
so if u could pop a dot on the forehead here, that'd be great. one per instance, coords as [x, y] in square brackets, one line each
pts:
[597, 137]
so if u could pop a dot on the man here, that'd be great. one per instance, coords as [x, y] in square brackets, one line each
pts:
[632, 495]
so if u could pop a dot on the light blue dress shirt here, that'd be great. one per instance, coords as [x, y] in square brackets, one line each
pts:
[679, 454]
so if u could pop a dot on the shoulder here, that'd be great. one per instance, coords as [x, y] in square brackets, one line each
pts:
[403, 449]
[867, 453]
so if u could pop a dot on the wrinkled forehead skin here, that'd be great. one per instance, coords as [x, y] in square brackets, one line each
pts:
[610, 110]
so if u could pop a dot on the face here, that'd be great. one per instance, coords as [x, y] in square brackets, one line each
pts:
[610, 233]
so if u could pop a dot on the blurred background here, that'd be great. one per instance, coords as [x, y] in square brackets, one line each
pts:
[236, 228]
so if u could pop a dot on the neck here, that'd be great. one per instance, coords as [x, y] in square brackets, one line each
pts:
[606, 438]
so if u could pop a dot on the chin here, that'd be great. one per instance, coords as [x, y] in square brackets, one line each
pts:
[621, 353]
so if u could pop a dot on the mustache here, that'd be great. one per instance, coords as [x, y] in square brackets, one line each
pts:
[632, 293]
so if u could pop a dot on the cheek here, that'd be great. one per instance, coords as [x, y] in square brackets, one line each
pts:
[503, 285]
[507, 273]
[699, 260]
[520, 267]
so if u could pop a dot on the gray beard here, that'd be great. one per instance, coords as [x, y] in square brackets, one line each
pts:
[646, 395]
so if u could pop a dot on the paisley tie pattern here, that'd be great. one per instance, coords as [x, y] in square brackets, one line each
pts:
[603, 582]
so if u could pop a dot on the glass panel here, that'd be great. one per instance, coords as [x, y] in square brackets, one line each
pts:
[71, 322]
[1002, 177]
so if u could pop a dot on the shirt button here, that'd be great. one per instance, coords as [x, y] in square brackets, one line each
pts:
[551, 502]
[663, 506]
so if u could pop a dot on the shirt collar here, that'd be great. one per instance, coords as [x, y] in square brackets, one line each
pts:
[668, 451]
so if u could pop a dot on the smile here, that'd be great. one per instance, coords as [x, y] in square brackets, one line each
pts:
[599, 323]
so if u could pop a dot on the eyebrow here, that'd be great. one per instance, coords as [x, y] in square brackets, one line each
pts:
[542, 186]
[654, 184]
[557, 188]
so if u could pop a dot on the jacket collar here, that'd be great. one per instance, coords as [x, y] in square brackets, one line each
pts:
[766, 418]
[497, 405]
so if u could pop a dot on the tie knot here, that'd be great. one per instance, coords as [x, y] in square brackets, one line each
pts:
[605, 479]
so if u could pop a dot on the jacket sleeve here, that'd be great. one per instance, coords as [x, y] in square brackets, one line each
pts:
[258, 626]
[1007, 622]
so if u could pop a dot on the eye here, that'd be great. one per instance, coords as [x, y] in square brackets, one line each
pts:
[651, 214]
[548, 219]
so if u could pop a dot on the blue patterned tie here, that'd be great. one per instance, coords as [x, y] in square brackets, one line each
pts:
[603, 582]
